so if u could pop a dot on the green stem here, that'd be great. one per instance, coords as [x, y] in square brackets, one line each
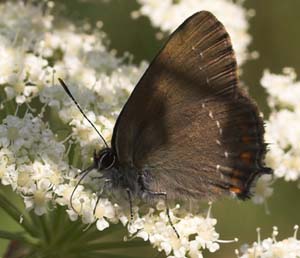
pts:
[10, 107]
[45, 229]
[63, 234]
[96, 234]
[103, 254]
[37, 223]
[57, 219]
[19, 236]
[15, 214]
[108, 246]
[76, 157]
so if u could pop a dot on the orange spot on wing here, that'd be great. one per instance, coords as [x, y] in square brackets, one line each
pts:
[246, 157]
[235, 190]
[236, 173]
[246, 139]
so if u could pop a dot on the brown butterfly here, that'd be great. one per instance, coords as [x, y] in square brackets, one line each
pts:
[188, 130]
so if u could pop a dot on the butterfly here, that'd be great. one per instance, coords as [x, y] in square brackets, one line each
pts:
[188, 129]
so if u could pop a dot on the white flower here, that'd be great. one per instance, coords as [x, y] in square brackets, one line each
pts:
[16, 132]
[34, 67]
[82, 204]
[24, 180]
[168, 15]
[283, 89]
[196, 233]
[104, 210]
[271, 247]
[31, 160]
[8, 62]
[64, 192]
[263, 189]
[7, 167]
[283, 126]
[39, 197]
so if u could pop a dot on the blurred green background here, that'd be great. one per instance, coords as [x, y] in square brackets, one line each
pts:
[275, 31]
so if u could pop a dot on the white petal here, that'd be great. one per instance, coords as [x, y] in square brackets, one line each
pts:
[102, 224]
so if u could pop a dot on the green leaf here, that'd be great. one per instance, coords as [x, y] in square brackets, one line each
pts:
[16, 214]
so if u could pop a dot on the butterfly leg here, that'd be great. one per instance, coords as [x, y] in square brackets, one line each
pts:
[130, 203]
[106, 182]
[164, 195]
[97, 177]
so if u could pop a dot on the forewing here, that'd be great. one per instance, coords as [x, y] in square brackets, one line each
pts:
[188, 127]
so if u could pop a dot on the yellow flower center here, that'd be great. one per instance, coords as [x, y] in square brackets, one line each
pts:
[39, 198]
[23, 179]
[13, 133]
[2, 169]
[55, 178]
[100, 211]
[19, 87]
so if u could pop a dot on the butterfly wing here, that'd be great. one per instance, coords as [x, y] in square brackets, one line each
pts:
[188, 127]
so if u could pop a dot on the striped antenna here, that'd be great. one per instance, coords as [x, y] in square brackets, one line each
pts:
[80, 109]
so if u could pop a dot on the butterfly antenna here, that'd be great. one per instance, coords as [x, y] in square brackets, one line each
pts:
[80, 109]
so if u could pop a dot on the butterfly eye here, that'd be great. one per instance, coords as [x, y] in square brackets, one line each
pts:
[107, 160]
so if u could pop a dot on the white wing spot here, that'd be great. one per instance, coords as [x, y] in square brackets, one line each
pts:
[207, 80]
[211, 115]
[226, 154]
[220, 131]
[233, 195]
[193, 48]
[219, 171]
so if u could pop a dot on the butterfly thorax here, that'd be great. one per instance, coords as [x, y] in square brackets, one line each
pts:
[118, 176]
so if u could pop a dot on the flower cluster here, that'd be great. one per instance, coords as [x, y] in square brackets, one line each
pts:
[31, 160]
[31, 64]
[21, 27]
[34, 163]
[263, 190]
[270, 247]
[284, 94]
[196, 233]
[168, 15]
[37, 159]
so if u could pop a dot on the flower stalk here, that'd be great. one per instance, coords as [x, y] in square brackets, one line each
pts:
[54, 235]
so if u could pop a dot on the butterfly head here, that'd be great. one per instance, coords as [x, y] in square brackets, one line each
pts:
[104, 159]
